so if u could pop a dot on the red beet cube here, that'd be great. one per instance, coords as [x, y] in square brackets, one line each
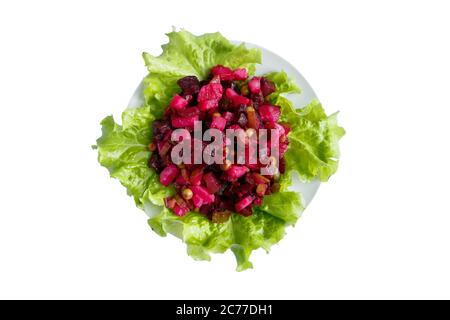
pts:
[259, 179]
[178, 102]
[228, 116]
[203, 194]
[240, 74]
[197, 201]
[267, 87]
[255, 85]
[218, 123]
[196, 177]
[168, 174]
[211, 182]
[179, 210]
[212, 91]
[189, 112]
[184, 122]
[206, 105]
[181, 181]
[190, 85]
[235, 172]
[223, 72]
[236, 99]
[273, 125]
[268, 112]
[244, 203]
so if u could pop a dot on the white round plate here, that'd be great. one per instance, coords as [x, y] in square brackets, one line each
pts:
[270, 62]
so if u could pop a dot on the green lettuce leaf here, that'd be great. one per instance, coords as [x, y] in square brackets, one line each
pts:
[123, 150]
[314, 139]
[242, 235]
[190, 55]
[283, 83]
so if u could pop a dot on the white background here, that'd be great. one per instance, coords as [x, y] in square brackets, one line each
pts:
[378, 229]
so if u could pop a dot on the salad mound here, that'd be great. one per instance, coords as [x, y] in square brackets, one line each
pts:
[227, 101]
[134, 150]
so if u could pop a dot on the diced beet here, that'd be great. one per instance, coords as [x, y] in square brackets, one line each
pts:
[197, 201]
[189, 112]
[240, 74]
[178, 102]
[221, 189]
[241, 100]
[228, 116]
[218, 123]
[184, 122]
[249, 179]
[190, 85]
[203, 193]
[235, 172]
[168, 174]
[268, 112]
[276, 126]
[211, 182]
[267, 86]
[244, 190]
[215, 79]
[206, 105]
[181, 181]
[244, 203]
[223, 72]
[254, 85]
[230, 93]
[212, 91]
[196, 177]
[236, 99]
[180, 211]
